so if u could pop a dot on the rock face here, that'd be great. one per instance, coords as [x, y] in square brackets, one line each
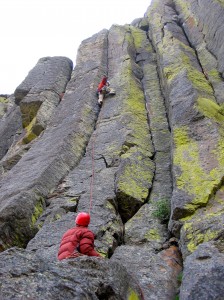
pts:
[40, 280]
[148, 164]
[203, 273]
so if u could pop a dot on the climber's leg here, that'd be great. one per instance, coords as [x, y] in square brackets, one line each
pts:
[100, 99]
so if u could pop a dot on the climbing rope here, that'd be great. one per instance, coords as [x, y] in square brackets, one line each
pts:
[93, 164]
[93, 173]
[92, 184]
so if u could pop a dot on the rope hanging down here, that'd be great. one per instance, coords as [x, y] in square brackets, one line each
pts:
[92, 184]
[93, 174]
[93, 164]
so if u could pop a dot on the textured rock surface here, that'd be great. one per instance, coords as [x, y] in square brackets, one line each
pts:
[61, 147]
[203, 273]
[118, 192]
[10, 127]
[157, 278]
[196, 123]
[28, 276]
[50, 73]
[154, 147]
[40, 93]
[4, 103]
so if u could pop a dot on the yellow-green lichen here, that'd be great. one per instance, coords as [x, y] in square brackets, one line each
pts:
[219, 152]
[75, 199]
[123, 34]
[152, 235]
[206, 223]
[132, 295]
[132, 116]
[182, 64]
[57, 217]
[220, 1]
[4, 100]
[193, 178]
[215, 75]
[134, 179]
[29, 133]
[104, 254]
[185, 7]
[38, 210]
[197, 237]
[199, 81]
[210, 109]
[134, 107]
[140, 38]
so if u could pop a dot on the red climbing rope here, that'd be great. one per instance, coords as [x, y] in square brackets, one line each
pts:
[92, 185]
[93, 165]
[93, 174]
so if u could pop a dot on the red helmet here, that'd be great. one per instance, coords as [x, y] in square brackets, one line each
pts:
[82, 219]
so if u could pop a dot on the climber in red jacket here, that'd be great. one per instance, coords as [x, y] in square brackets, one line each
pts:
[103, 83]
[103, 89]
[78, 240]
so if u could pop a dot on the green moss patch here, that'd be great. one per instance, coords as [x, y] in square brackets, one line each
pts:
[162, 209]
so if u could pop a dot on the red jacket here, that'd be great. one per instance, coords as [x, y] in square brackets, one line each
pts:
[79, 239]
[102, 84]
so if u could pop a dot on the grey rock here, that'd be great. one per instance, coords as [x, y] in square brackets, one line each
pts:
[160, 134]
[3, 105]
[141, 23]
[206, 225]
[194, 130]
[132, 183]
[41, 91]
[47, 240]
[27, 275]
[157, 278]
[144, 228]
[136, 21]
[203, 274]
[14, 154]
[10, 127]
[113, 154]
[38, 95]
[203, 32]
[50, 73]
[51, 157]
